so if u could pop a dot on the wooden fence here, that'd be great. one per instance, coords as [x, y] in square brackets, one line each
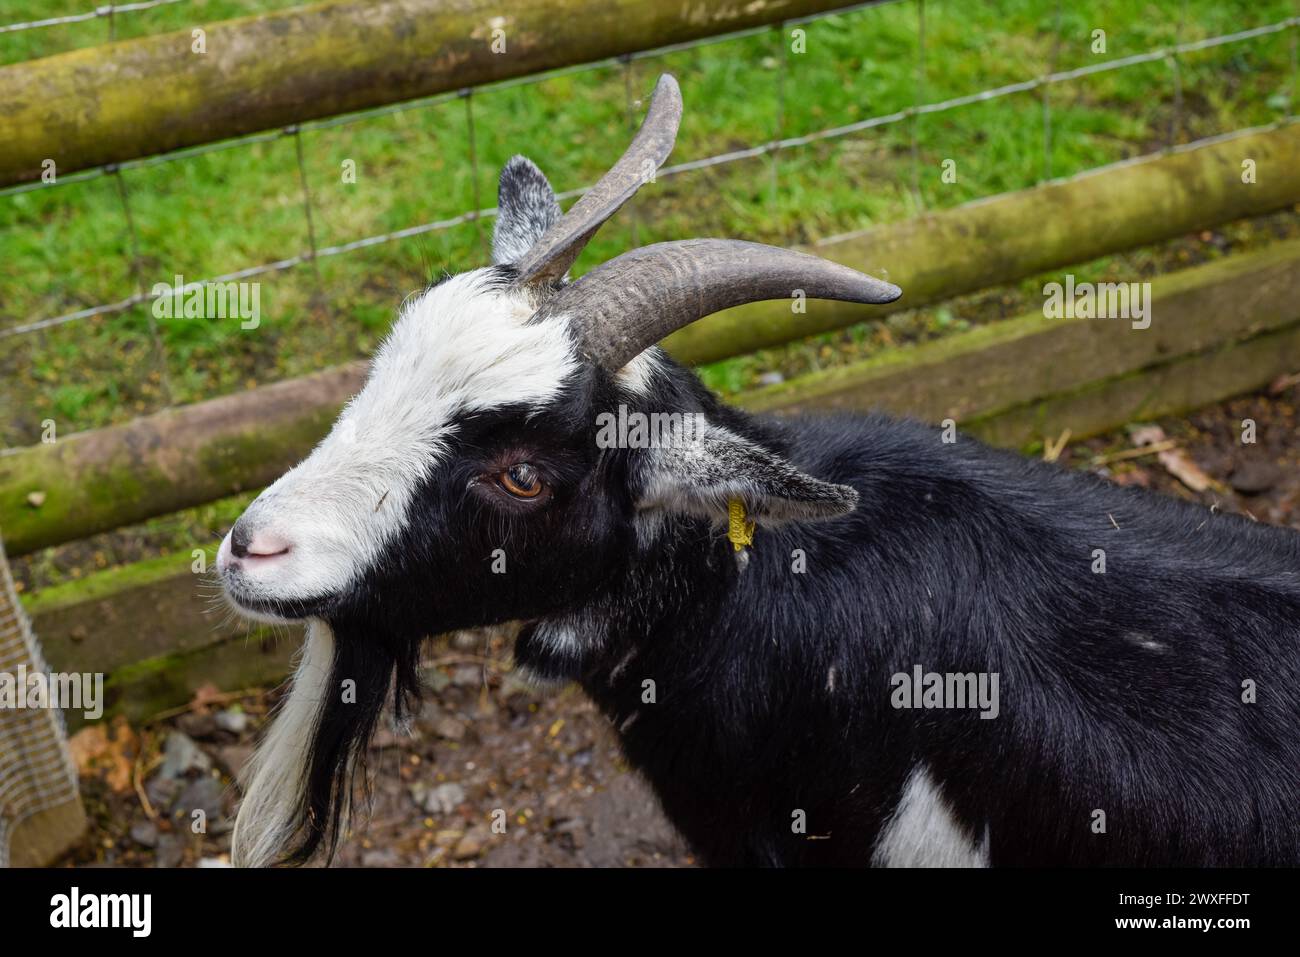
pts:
[158, 93]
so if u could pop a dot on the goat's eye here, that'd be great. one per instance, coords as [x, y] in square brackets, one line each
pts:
[521, 481]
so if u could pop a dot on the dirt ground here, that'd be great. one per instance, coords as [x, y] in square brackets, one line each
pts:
[548, 767]
[485, 747]
[1259, 478]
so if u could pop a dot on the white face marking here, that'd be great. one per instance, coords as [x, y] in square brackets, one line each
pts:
[923, 832]
[463, 346]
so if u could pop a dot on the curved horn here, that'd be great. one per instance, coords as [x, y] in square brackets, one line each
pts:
[632, 301]
[553, 254]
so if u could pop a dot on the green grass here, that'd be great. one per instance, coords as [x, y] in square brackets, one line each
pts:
[68, 247]
[47, 41]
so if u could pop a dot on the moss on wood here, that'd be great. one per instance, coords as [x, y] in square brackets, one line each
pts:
[1005, 364]
[96, 481]
[158, 631]
[139, 97]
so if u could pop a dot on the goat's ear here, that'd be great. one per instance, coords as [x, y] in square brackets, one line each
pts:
[526, 208]
[707, 466]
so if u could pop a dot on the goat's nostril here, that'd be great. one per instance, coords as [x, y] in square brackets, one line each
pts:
[264, 547]
[255, 545]
[239, 541]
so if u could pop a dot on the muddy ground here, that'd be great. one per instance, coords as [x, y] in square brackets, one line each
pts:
[487, 747]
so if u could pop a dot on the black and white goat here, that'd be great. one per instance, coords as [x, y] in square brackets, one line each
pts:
[465, 486]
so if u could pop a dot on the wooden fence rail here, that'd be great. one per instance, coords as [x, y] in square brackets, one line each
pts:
[154, 94]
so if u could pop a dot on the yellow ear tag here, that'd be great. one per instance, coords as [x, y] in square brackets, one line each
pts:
[739, 532]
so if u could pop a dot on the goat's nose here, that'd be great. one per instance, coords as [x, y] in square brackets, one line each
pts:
[245, 544]
[239, 539]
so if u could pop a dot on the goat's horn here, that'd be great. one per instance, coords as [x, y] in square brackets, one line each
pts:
[553, 254]
[632, 301]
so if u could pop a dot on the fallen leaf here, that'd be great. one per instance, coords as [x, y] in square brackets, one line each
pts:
[1176, 461]
[107, 752]
[86, 745]
[1180, 465]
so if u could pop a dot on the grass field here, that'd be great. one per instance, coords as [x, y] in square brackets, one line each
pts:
[68, 247]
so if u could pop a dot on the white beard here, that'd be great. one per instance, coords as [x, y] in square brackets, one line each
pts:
[275, 778]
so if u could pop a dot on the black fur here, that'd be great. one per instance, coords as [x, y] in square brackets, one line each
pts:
[1120, 691]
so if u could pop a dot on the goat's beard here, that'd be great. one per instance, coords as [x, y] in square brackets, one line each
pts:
[301, 779]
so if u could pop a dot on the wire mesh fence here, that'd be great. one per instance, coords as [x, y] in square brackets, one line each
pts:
[771, 149]
[106, 11]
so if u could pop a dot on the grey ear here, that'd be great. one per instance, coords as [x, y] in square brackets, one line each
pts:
[705, 466]
[526, 208]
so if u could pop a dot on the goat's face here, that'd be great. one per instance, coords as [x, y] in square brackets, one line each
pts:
[458, 484]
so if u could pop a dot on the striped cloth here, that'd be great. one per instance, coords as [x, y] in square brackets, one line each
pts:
[36, 770]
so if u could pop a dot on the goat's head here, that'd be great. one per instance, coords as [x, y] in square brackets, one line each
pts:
[465, 484]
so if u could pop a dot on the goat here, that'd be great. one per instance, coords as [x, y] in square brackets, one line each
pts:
[770, 611]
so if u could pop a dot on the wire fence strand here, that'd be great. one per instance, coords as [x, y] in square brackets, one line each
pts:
[107, 10]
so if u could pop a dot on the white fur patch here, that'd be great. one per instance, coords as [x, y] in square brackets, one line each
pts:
[558, 636]
[1144, 641]
[923, 832]
[637, 377]
[463, 346]
[275, 775]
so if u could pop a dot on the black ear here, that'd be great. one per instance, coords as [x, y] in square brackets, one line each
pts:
[526, 208]
[708, 466]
